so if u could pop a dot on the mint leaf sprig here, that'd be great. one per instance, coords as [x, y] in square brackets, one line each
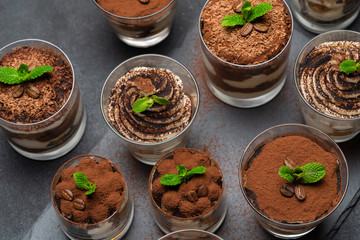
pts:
[83, 183]
[10, 75]
[182, 176]
[248, 12]
[142, 104]
[309, 173]
[349, 66]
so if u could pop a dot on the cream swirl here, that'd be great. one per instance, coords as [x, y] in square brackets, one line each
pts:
[325, 86]
[157, 123]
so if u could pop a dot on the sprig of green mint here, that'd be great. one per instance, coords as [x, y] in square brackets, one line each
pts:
[349, 66]
[83, 183]
[10, 75]
[248, 12]
[309, 173]
[142, 104]
[182, 176]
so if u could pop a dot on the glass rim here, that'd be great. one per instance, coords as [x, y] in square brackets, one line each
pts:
[135, 18]
[190, 230]
[62, 168]
[334, 145]
[102, 95]
[152, 172]
[62, 53]
[296, 70]
[249, 65]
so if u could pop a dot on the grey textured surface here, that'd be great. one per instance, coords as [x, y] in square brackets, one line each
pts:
[80, 30]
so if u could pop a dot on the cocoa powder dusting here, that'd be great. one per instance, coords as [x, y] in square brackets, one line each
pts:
[101, 204]
[179, 200]
[263, 180]
[256, 47]
[133, 8]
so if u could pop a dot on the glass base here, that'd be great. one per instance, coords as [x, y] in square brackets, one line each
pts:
[145, 42]
[246, 102]
[321, 28]
[340, 139]
[288, 236]
[56, 152]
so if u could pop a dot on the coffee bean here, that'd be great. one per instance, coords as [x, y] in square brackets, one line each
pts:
[300, 192]
[238, 5]
[192, 196]
[203, 191]
[260, 27]
[144, 1]
[290, 163]
[67, 195]
[246, 29]
[18, 92]
[287, 190]
[79, 204]
[32, 91]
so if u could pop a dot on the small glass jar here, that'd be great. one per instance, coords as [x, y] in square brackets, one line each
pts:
[52, 137]
[190, 234]
[143, 31]
[245, 86]
[209, 221]
[340, 129]
[149, 153]
[322, 16]
[292, 230]
[114, 227]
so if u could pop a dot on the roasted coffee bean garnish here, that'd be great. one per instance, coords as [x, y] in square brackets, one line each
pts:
[32, 91]
[238, 5]
[300, 192]
[144, 1]
[246, 29]
[192, 196]
[67, 195]
[260, 27]
[18, 92]
[79, 204]
[287, 190]
[290, 163]
[203, 191]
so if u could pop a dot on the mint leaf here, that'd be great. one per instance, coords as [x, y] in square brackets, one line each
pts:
[181, 170]
[246, 9]
[9, 75]
[23, 71]
[312, 173]
[358, 65]
[286, 172]
[232, 20]
[349, 66]
[142, 104]
[171, 179]
[259, 10]
[196, 170]
[160, 100]
[83, 183]
[38, 71]
[297, 170]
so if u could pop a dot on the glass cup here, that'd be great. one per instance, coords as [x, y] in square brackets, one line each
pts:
[55, 136]
[322, 16]
[190, 234]
[292, 230]
[340, 129]
[149, 153]
[143, 31]
[209, 221]
[231, 82]
[114, 227]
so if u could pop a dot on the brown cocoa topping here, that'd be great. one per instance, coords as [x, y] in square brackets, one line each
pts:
[144, 85]
[193, 197]
[98, 206]
[133, 8]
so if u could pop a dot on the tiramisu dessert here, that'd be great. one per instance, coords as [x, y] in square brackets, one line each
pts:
[245, 53]
[187, 191]
[89, 205]
[325, 86]
[41, 115]
[158, 122]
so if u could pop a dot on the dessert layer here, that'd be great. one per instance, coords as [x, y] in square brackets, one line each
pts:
[325, 86]
[133, 8]
[157, 123]
[54, 87]
[257, 47]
